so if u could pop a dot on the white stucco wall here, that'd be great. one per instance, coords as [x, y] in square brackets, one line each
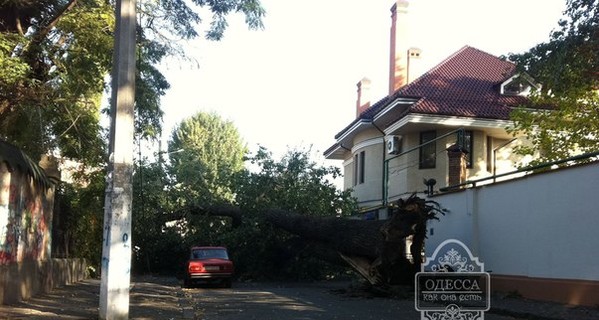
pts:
[406, 177]
[543, 225]
[369, 193]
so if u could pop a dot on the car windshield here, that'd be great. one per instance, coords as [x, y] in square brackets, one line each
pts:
[209, 254]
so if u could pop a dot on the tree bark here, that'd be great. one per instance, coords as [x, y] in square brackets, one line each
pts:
[374, 248]
[351, 237]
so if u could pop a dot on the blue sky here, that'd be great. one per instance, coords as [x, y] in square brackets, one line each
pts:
[293, 84]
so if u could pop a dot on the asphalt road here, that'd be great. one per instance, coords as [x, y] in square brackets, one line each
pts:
[297, 301]
[157, 298]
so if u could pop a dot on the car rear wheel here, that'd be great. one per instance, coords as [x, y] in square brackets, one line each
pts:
[227, 283]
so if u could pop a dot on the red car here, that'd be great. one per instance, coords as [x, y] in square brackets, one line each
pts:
[208, 265]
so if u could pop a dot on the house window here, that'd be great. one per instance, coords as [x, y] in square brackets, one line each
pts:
[516, 88]
[468, 145]
[428, 151]
[490, 154]
[359, 165]
[519, 84]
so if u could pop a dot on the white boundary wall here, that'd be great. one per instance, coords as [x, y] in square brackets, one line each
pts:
[543, 225]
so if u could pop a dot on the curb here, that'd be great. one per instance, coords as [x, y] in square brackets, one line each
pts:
[517, 314]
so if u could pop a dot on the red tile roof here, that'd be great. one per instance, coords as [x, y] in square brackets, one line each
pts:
[465, 84]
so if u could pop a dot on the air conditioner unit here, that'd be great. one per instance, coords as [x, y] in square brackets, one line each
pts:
[394, 145]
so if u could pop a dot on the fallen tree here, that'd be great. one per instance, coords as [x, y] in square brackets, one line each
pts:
[374, 248]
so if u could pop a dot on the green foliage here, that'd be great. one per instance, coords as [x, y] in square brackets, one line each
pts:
[570, 128]
[150, 85]
[86, 49]
[78, 223]
[258, 249]
[206, 153]
[293, 183]
[12, 69]
[178, 19]
[161, 22]
[567, 67]
[250, 8]
[150, 203]
[55, 56]
[53, 96]
[54, 59]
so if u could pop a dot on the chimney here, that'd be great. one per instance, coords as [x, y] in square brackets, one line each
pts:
[363, 101]
[398, 64]
[456, 170]
[413, 67]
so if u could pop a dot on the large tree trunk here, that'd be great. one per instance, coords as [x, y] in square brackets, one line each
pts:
[353, 237]
[376, 249]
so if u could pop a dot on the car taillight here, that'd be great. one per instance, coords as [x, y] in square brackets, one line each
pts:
[196, 267]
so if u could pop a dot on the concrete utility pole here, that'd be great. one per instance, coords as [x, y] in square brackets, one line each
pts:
[116, 245]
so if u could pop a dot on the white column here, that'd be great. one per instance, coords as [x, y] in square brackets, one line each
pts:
[116, 245]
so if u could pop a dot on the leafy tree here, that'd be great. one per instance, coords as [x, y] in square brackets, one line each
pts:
[77, 231]
[567, 118]
[293, 183]
[209, 181]
[58, 53]
[153, 240]
[206, 152]
[55, 55]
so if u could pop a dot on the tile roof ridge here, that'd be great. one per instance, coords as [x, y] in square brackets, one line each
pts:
[447, 59]
[439, 65]
[443, 63]
[400, 91]
[490, 54]
[496, 57]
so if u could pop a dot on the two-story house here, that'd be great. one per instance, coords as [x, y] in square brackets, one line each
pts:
[397, 143]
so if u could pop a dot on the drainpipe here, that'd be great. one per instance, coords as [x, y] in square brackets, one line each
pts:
[385, 169]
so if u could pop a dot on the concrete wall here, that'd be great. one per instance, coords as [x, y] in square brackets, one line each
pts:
[22, 280]
[25, 217]
[26, 211]
[542, 226]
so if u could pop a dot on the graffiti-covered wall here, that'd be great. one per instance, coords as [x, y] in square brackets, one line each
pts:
[25, 216]
[26, 209]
